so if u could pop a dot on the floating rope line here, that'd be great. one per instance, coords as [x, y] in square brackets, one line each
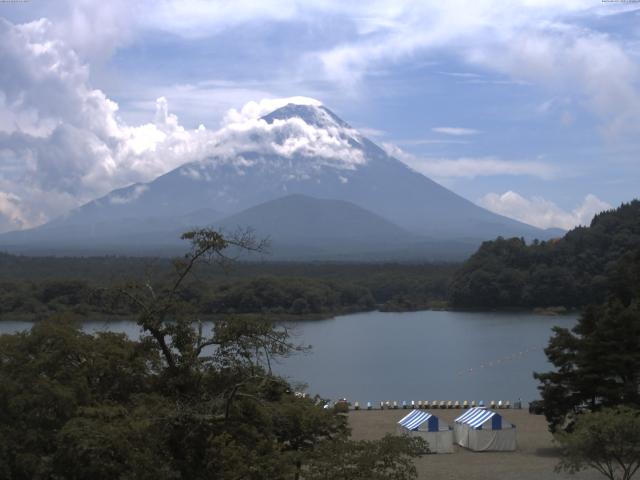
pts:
[503, 360]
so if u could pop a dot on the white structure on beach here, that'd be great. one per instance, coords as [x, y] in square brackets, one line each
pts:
[483, 430]
[437, 434]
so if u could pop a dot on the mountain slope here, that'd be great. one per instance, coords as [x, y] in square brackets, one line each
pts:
[296, 149]
[127, 235]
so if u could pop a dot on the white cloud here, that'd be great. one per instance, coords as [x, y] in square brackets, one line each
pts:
[465, 75]
[546, 43]
[558, 107]
[455, 131]
[573, 60]
[469, 167]
[94, 29]
[543, 213]
[129, 196]
[253, 110]
[325, 144]
[199, 102]
[372, 132]
[543, 43]
[64, 143]
[10, 212]
[198, 18]
[64, 139]
[432, 141]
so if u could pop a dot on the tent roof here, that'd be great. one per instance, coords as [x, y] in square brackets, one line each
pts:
[475, 417]
[414, 419]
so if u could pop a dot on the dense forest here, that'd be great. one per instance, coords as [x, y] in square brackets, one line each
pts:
[36, 287]
[573, 271]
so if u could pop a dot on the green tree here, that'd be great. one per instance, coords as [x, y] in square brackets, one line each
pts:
[390, 458]
[607, 441]
[111, 441]
[598, 361]
[48, 375]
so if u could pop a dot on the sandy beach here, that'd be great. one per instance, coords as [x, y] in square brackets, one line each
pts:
[534, 459]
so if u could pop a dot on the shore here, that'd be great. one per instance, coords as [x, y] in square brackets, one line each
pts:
[534, 459]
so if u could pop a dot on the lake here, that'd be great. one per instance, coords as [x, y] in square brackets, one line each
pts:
[427, 355]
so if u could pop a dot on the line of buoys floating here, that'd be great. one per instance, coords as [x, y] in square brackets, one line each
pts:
[445, 404]
[501, 361]
[427, 405]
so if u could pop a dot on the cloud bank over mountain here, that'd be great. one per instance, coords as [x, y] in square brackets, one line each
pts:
[63, 142]
[543, 213]
[444, 168]
[527, 41]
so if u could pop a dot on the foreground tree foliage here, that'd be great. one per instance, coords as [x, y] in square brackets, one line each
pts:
[48, 376]
[598, 361]
[607, 441]
[592, 399]
[183, 402]
[388, 459]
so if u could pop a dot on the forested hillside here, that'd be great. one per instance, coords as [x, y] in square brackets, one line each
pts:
[572, 271]
[33, 288]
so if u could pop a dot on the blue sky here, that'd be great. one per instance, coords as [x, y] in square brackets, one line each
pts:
[530, 109]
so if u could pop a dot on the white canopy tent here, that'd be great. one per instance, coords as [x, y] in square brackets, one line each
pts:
[483, 430]
[420, 423]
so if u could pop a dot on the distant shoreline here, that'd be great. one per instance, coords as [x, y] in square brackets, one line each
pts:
[287, 318]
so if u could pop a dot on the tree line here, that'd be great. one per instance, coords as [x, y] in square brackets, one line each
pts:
[33, 288]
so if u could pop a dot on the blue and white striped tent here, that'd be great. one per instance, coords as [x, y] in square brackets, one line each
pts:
[480, 429]
[476, 417]
[420, 423]
[417, 418]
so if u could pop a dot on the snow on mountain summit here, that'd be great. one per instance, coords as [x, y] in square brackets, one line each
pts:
[296, 138]
[253, 110]
[316, 115]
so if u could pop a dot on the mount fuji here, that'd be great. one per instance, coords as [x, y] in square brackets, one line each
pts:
[299, 175]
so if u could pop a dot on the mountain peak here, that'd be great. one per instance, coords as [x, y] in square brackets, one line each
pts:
[315, 115]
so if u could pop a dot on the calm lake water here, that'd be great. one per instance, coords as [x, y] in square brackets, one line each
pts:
[424, 355]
